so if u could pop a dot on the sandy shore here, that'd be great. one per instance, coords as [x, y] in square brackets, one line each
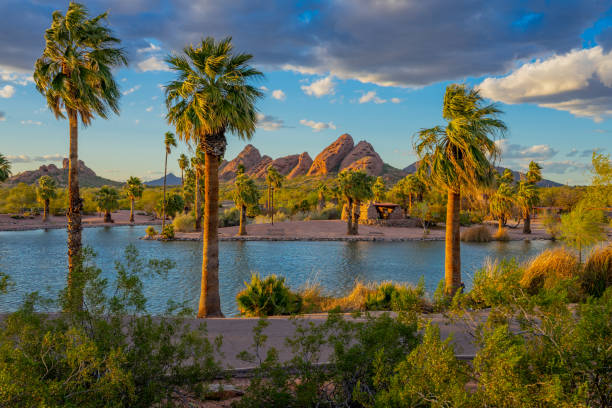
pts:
[120, 218]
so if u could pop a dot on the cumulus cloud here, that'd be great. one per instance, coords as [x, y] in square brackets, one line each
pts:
[535, 152]
[7, 91]
[131, 90]
[153, 63]
[22, 158]
[395, 100]
[269, 123]
[317, 126]
[371, 97]
[31, 122]
[321, 87]
[149, 109]
[562, 167]
[579, 82]
[279, 94]
[150, 48]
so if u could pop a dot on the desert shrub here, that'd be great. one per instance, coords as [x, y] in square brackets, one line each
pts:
[168, 232]
[597, 272]
[352, 302]
[552, 224]
[151, 231]
[268, 297]
[549, 268]
[229, 218]
[330, 212]
[393, 296]
[477, 233]
[465, 219]
[501, 235]
[184, 223]
[496, 283]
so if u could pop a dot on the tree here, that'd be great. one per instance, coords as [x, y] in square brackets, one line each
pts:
[45, 192]
[534, 174]
[5, 168]
[599, 193]
[169, 143]
[527, 194]
[246, 195]
[212, 95]
[274, 180]
[415, 188]
[355, 186]
[107, 199]
[75, 74]
[501, 204]
[174, 204]
[322, 190]
[197, 163]
[581, 228]
[379, 189]
[134, 189]
[457, 157]
[183, 163]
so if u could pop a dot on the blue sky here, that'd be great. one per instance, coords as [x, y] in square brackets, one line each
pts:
[374, 69]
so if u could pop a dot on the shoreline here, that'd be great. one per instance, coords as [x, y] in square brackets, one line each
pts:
[324, 239]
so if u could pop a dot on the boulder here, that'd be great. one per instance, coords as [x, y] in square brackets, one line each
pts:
[330, 158]
[249, 157]
[371, 165]
[283, 165]
[260, 169]
[301, 168]
[363, 157]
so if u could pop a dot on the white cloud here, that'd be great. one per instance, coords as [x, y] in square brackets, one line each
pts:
[151, 48]
[131, 90]
[149, 109]
[264, 88]
[31, 122]
[562, 167]
[396, 100]
[22, 158]
[319, 88]
[578, 82]
[279, 94]
[16, 76]
[269, 123]
[7, 91]
[535, 152]
[317, 126]
[153, 64]
[371, 97]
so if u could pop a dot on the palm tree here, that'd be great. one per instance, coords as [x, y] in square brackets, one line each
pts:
[379, 189]
[5, 168]
[107, 199]
[133, 188]
[246, 195]
[501, 204]
[457, 157]
[198, 164]
[169, 143]
[527, 194]
[46, 191]
[355, 186]
[414, 187]
[211, 96]
[322, 190]
[74, 73]
[183, 163]
[274, 180]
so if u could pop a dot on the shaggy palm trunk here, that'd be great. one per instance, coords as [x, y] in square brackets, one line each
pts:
[182, 179]
[164, 199]
[409, 203]
[272, 205]
[242, 228]
[107, 216]
[210, 304]
[349, 217]
[132, 209]
[45, 210]
[527, 223]
[452, 260]
[356, 216]
[75, 205]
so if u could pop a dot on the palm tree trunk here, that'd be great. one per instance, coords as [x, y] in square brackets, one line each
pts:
[242, 228]
[198, 212]
[75, 204]
[107, 216]
[527, 223]
[349, 217]
[132, 209]
[164, 199]
[500, 226]
[182, 179]
[410, 203]
[452, 261]
[45, 210]
[272, 205]
[356, 216]
[210, 304]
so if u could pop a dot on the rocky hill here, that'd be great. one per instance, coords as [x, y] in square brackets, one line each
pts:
[87, 177]
[171, 180]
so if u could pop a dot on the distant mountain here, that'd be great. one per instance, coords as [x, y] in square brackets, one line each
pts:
[87, 177]
[171, 180]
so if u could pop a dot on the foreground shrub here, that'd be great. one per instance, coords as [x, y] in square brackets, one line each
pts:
[184, 223]
[268, 297]
[168, 232]
[549, 268]
[496, 284]
[393, 296]
[597, 273]
[151, 231]
[477, 233]
[501, 235]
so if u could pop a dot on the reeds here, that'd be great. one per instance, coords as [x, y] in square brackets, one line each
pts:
[597, 273]
[477, 233]
[184, 223]
[549, 268]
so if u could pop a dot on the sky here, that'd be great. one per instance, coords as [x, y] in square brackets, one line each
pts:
[376, 69]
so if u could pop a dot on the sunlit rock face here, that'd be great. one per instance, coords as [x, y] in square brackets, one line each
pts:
[329, 159]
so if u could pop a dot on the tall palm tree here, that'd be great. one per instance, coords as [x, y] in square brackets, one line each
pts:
[5, 168]
[74, 73]
[527, 194]
[501, 204]
[46, 191]
[322, 190]
[379, 189]
[133, 188]
[274, 180]
[212, 95]
[458, 157]
[355, 186]
[245, 195]
[198, 164]
[169, 143]
[415, 188]
[107, 199]
[183, 163]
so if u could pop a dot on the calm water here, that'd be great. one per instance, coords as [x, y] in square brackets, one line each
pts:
[36, 261]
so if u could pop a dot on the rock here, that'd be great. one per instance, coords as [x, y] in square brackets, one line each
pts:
[330, 158]
[363, 157]
[303, 165]
[260, 168]
[249, 157]
[87, 177]
[284, 165]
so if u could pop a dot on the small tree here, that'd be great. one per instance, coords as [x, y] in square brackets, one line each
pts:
[501, 204]
[322, 190]
[134, 189]
[355, 187]
[274, 180]
[379, 190]
[174, 205]
[245, 195]
[581, 228]
[107, 199]
[47, 189]
[183, 163]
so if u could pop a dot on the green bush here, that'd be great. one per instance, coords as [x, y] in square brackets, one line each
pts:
[392, 296]
[268, 297]
[184, 223]
[496, 284]
[229, 218]
[168, 232]
[597, 273]
[465, 219]
[151, 231]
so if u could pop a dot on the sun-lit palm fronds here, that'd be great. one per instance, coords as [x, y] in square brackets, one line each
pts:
[5, 168]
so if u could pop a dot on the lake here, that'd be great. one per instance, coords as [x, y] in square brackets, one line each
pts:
[36, 261]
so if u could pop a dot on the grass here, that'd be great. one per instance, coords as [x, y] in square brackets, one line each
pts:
[549, 268]
[597, 273]
[477, 233]
[184, 223]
